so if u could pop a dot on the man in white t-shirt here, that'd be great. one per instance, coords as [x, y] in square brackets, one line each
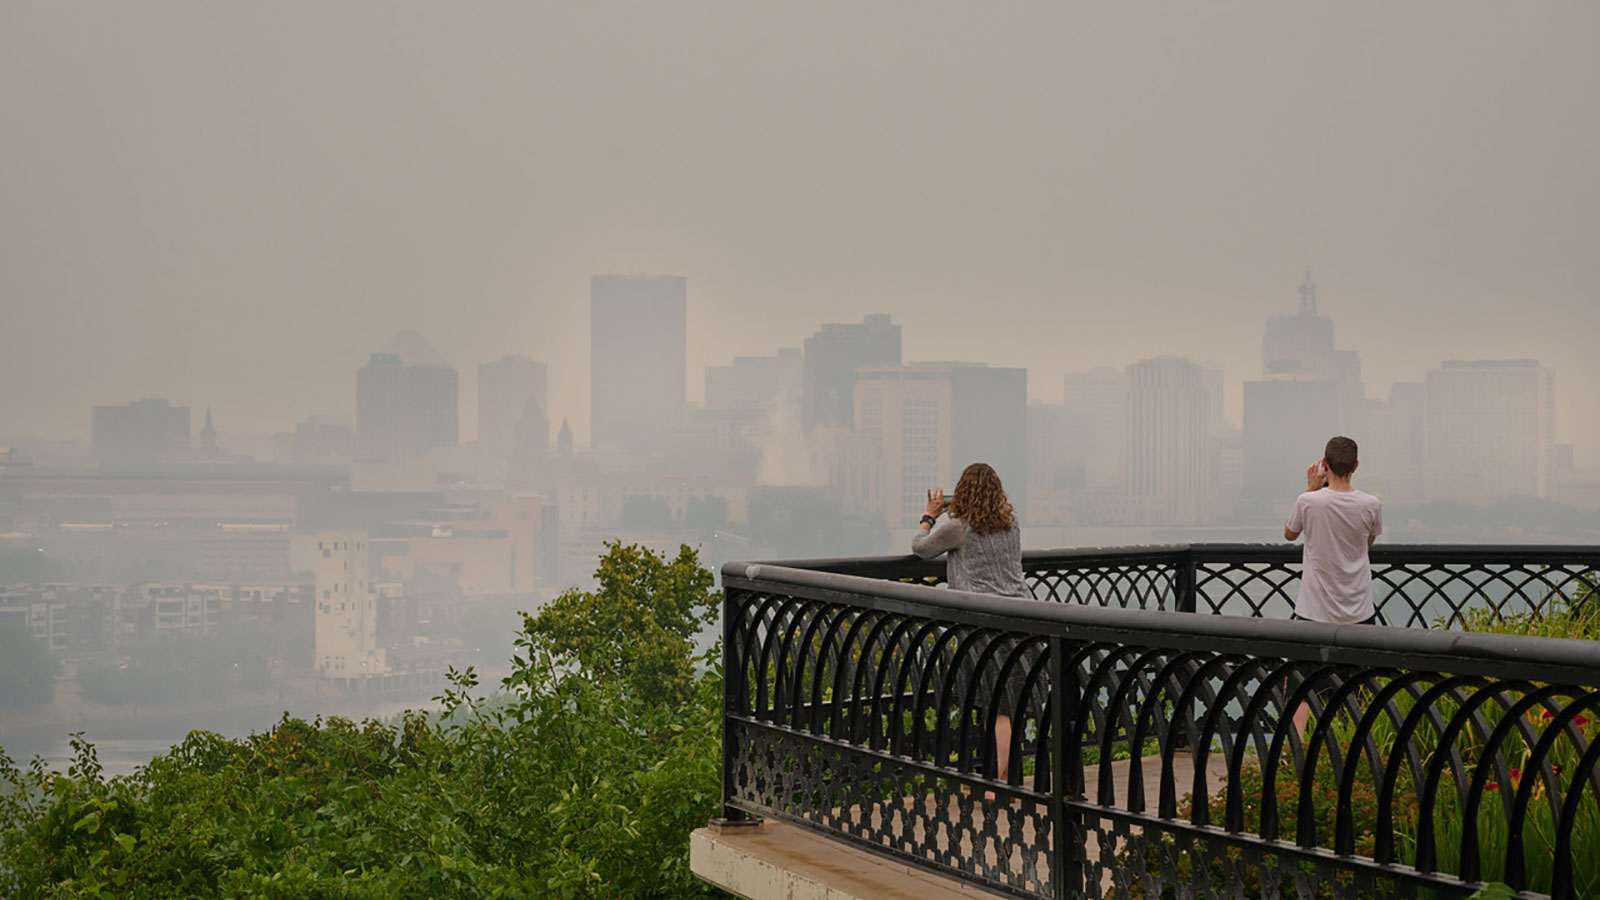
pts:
[1339, 524]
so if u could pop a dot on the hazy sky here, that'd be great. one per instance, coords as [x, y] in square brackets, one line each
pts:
[234, 203]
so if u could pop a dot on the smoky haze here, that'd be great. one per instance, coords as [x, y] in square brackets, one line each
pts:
[233, 205]
[264, 268]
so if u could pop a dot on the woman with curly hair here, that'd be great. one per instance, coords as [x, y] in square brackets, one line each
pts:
[984, 547]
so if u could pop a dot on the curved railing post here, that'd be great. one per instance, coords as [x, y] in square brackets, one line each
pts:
[732, 688]
[1183, 581]
[1066, 776]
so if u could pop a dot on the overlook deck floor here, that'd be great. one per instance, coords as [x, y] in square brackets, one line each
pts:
[777, 861]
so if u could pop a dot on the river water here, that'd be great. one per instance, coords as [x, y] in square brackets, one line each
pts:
[123, 744]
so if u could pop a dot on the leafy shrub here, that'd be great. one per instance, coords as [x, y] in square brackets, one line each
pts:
[579, 779]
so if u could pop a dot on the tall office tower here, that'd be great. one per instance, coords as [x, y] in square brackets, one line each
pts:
[406, 402]
[1287, 424]
[513, 423]
[638, 328]
[346, 633]
[1095, 407]
[149, 430]
[1292, 343]
[756, 382]
[1168, 467]
[1300, 346]
[1489, 430]
[1311, 393]
[989, 422]
[1391, 444]
[931, 420]
[833, 355]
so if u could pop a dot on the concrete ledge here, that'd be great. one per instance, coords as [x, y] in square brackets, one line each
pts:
[773, 861]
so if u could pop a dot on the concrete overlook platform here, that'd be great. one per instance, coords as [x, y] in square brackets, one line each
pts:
[776, 861]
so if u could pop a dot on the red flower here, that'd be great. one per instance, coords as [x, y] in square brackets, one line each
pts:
[1581, 721]
[1548, 715]
[1492, 786]
[1516, 774]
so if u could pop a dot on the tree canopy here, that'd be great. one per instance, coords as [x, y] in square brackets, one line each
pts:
[581, 777]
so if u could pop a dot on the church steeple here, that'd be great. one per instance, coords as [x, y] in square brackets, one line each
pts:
[208, 434]
[564, 440]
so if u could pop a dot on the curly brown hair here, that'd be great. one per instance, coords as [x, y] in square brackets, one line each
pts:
[980, 501]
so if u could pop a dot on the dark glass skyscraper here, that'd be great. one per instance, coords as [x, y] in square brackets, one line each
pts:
[638, 328]
[832, 357]
[407, 403]
[150, 430]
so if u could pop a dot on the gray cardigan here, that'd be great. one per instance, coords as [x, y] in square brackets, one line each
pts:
[984, 563]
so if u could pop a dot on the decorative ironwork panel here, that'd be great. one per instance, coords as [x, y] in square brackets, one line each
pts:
[1137, 585]
[1413, 586]
[1084, 749]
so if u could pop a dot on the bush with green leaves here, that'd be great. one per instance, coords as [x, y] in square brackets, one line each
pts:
[581, 778]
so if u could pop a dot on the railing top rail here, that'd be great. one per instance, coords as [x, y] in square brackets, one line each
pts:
[912, 566]
[1417, 649]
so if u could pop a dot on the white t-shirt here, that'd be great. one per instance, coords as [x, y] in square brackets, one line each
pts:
[1336, 581]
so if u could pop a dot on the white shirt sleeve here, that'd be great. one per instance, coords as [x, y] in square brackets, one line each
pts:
[1297, 517]
[1377, 520]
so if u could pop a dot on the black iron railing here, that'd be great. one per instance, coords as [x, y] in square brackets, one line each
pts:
[1152, 750]
[1414, 585]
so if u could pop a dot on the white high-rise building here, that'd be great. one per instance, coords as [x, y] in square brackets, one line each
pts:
[346, 636]
[1489, 430]
[1168, 464]
[907, 409]
[931, 420]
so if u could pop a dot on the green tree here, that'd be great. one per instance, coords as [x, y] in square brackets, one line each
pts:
[639, 626]
[27, 670]
[567, 783]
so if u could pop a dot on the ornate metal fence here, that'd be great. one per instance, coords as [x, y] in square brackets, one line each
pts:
[1414, 585]
[1132, 751]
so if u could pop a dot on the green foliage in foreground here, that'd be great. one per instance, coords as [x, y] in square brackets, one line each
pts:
[571, 783]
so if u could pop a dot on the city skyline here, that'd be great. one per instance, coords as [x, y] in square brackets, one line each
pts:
[975, 176]
[469, 372]
[1233, 388]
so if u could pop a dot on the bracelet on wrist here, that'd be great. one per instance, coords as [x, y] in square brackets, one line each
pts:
[928, 519]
